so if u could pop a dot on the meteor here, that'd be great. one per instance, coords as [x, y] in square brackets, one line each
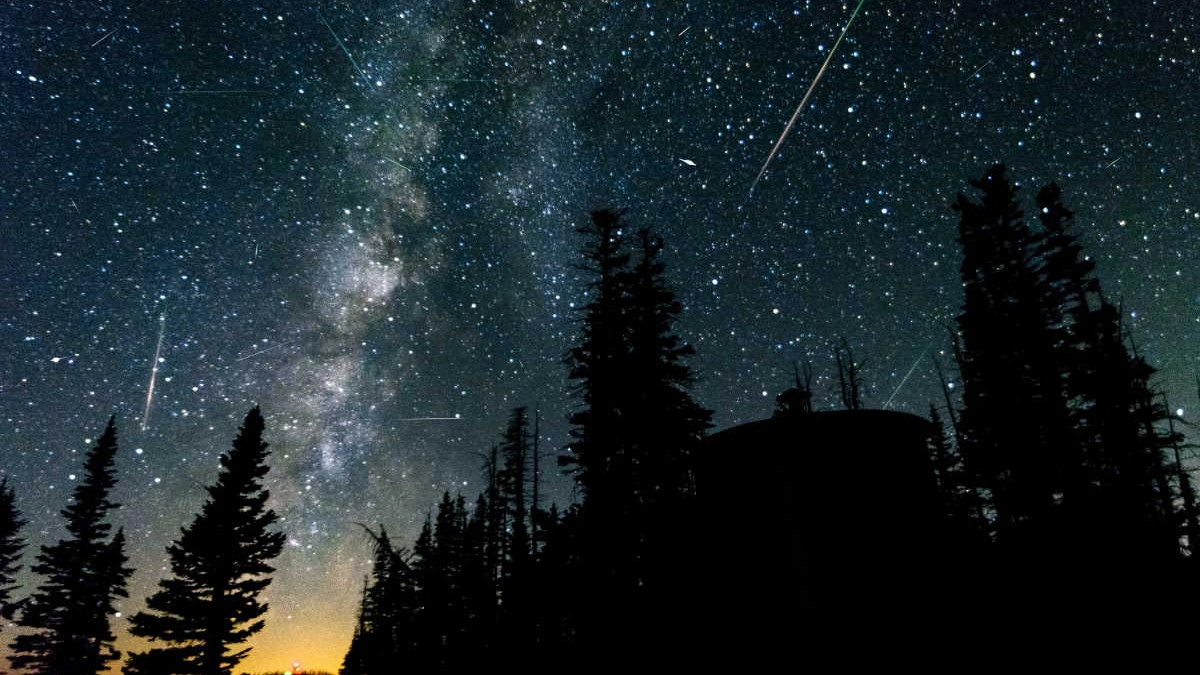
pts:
[268, 349]
[162, 327]
[804, 100]
[980, 68]
[110, 33]
[343, 46]
[905, 379]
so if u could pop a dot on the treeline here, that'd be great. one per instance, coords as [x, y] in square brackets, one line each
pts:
[1063, 462]
[508, 578]
[1059, 471]
[200, 613]
[1059, 476]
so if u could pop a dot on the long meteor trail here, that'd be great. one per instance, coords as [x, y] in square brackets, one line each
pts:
[905, 378]
[162, 327]
[804, 100]
[343, 46]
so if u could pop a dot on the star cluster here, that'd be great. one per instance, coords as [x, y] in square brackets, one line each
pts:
[361, 214]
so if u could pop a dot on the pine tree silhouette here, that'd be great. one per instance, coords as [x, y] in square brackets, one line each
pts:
[1014, 421]
[219, 565]
[384, 634]
[70, 613]
[632, 438]
[11, 546]
[599, 366]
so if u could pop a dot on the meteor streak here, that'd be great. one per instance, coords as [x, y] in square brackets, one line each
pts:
[343, 46]
[981, 68]
[905, 379]
[216, 91]
[268, 349]
[804, 100]
[162, 327]
[430, 419]
[105, 37]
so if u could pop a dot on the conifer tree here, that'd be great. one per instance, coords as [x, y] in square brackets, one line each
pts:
[664, 421]
[11, 546]
[513, 478]
[1014, 421]
[382, 637]
[69, 616]
[219, 565]
[477, 582]
[599, 366]
[633, 435]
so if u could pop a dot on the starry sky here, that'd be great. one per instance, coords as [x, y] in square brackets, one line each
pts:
[360, 214]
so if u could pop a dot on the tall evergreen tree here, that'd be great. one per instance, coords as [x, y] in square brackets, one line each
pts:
[633, 435]
[514, 476]
[219, 565]
[383, 635]
[11, 546]
[69, 615]
[664, 421]
[599, 366]
[1014, 425]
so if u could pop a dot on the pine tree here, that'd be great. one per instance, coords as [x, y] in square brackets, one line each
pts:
[599, 366]
[432, 599]
[1014, 419]
[513, 478]
[219, 565]
[633, 436]
[664, 421]
[477, 581]
[69, 614]
[960, 504]
[383, 635]
[11, 546]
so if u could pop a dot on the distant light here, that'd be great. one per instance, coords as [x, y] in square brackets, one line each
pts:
[1179, 412]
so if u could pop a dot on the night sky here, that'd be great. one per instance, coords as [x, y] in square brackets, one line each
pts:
[360, 213]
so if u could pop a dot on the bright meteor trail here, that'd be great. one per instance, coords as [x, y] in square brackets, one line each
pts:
[162, 327]
[804, 100]
[344, 49]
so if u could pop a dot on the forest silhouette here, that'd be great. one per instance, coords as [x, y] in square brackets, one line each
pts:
[1054, 479]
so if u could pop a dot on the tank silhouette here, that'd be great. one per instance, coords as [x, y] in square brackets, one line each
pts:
[826, 515]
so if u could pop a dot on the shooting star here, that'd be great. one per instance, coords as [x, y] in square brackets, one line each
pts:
[76, 206]
[105, 37]
[347, 51]
[1110, 164]
[687, 161]
[397, 163]
[683, 31]
[905, 379]
[451, 79]
[264, 351]
[981, 68]
[456, 418]
[162, 327]
[804, 100]
[216, 91]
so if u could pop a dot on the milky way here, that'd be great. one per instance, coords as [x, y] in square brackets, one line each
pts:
[361, 216]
